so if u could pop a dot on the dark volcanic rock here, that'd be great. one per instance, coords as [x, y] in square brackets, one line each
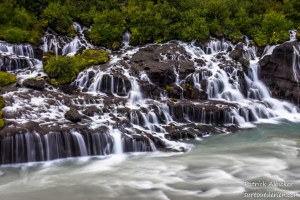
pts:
[35, 83]
[161, 63]
[278, 74]
[73, 115]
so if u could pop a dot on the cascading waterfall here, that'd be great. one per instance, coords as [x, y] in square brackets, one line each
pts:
[31, 147]
[119, 116]
[126, 39]
[16, 57]
[65, 45]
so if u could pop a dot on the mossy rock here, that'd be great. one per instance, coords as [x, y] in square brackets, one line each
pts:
[2, 124]
[95, 57]
[169, 89]
[6, 78]
[54, 82]
[116, 46]
[2, 102]
[1, 114]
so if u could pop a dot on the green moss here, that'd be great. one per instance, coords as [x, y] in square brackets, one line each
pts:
[54, 82]
[169, 89]
[65, 68]
[6, 78]
[2, 124]
[2, 102]
[116, 46]
[94, 57]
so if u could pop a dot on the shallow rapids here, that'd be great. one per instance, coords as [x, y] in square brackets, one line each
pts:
[217, 167]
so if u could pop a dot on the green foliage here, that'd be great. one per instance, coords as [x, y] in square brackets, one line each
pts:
[58, 17]
[274, 29]
[6, 78]
[108, 27]
[21, 18]
[264, 21]
[16, 35]
[65, 68]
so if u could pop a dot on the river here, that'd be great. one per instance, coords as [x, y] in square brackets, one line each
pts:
[216, 167]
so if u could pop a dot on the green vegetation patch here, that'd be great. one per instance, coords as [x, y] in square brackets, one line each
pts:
[54, 82]
[1, 123]
[64, 68]
[263, 21]
[6, 79]
[2, 102]
[16, 35]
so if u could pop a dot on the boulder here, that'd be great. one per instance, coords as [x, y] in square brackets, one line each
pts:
[236, 54]
[73, 115]
[35, 83]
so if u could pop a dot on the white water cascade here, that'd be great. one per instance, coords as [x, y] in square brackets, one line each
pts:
[124, 107]
[126, 39]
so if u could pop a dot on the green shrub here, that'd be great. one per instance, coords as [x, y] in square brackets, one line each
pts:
[21, 18]
[108, 27]
[65, 68]
[16, 35]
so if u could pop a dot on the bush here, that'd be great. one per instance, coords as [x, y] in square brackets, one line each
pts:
[65, 68]
[16, 35]
[274, 29]
[21, 18]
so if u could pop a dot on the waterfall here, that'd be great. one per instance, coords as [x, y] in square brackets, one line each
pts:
[293, 34]
[80, 144]
[116, 134]
[31, 147]
[124, 106]
[126, 39]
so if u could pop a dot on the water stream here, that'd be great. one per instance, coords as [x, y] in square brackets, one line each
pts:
[218, 167]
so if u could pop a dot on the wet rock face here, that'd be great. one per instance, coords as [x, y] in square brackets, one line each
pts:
[73, 115]
[278, 74]
[159, 62]
[35, 83]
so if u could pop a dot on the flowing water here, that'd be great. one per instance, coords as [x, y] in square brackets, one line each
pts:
[217, 167]
[121, 123]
